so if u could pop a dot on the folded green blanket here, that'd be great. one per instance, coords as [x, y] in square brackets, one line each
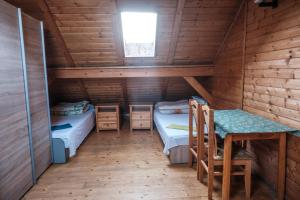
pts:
[66, 109]
[60, 127]
[180, 127]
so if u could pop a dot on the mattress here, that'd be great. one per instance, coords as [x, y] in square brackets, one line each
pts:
[81, 126]
[172, 137]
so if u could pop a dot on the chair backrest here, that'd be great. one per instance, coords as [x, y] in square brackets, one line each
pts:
[207, 119]
[194, 113]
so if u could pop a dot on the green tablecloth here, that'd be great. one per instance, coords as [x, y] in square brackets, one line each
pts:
[238, 121]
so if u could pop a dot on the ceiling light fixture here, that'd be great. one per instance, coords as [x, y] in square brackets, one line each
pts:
[267, 3]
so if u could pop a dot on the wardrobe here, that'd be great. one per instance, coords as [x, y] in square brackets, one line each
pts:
[25, 140]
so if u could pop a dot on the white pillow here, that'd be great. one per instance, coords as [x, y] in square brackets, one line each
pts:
[170, 105]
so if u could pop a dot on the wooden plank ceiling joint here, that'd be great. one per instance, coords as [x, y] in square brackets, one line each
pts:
[236, 17]
[51, 25]
[175, 31]
[200, 89]
[244, 54]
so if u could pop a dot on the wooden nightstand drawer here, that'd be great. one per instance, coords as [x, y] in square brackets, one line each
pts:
[107, 116]
[137, 124]
[141, 115]
[107, 126]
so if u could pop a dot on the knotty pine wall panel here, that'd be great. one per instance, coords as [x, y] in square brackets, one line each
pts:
[203, 26]
[271, 82]
[272, 86]
[227, 83]
[123, 90]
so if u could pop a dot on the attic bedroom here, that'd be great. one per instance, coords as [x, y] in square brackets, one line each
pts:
[150, 99]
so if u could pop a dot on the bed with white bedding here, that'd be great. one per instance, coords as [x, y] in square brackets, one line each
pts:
[170, 119]
[82, 125]
[175, 141]
[171, 137]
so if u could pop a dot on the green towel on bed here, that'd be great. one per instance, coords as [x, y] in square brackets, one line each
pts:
[179, 127]
[60, 127]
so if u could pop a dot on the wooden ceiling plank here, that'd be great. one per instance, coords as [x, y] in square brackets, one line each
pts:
[133, 72]
[175, 31]
[200, 89]
[229, 30]
[51, 25]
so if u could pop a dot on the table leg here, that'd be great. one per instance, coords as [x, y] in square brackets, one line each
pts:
[227, 167]
[281, 166]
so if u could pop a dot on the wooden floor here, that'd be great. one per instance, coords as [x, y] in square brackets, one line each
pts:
[125, 166]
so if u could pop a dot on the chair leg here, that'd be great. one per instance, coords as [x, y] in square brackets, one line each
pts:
[200, 171]
[248, 180]
[191, 157]
[210, 182]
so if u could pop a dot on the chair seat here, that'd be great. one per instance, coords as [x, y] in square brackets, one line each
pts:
[237, 154]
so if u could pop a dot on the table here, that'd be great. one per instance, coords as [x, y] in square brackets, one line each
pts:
[237, 125]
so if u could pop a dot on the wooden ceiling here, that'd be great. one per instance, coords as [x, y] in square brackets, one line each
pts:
[188, 31]
[87, 33]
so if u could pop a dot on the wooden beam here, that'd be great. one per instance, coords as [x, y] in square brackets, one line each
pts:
[117, 32]
[236, 17]
[200, 89]
[164, 92]
[137, 71]
[176, 29]
[244, 54]
[125, 94]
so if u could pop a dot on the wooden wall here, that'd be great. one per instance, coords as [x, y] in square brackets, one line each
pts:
[271, 81]
[37, 94]
[203, 26]
[272, 84]
[123, 90]
[15, 160]
[228, 78]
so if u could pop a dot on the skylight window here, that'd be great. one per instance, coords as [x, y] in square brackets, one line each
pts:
[139, 33]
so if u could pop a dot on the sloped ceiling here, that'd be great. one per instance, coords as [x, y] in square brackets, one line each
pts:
[91, 30]
[188, 32]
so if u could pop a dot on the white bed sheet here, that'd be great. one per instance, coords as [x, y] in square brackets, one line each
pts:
[172, 137]
[81, 126]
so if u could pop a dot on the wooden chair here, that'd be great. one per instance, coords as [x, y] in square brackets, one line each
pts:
[194, 112]
[209, 156]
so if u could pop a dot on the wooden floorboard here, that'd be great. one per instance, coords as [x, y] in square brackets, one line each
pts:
[125, 166]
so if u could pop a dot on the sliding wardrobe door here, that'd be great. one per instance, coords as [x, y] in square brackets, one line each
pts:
[15, 159]
[38, 97]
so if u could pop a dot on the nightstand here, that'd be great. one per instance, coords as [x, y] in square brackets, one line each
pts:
[141, 116]
[108, 117]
